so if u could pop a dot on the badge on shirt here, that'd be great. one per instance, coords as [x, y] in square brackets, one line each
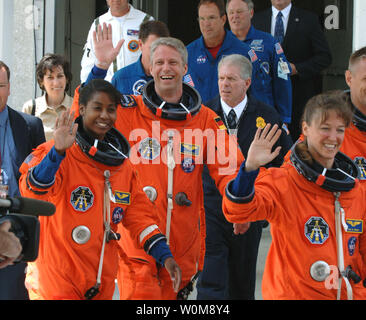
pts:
[261, 123]
[82, 199]
[117, 215]
[133, 46]
[354, 226]
[361, 164]
[188, 165]
[138, 86]
[128, 101]
[352, 245]
[220, 123]
[122, 197]
[283, 70]
[149, 149]
[134, 33]
[201, 59]
[279, 49]
[253, 56]
[257, 45]
[316, 230]
[190, 149]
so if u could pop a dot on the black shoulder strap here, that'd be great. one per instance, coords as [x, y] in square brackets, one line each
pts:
[33, 107]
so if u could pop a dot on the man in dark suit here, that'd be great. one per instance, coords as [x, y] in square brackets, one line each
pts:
[20, 133]
[230, 261]
[305, 47]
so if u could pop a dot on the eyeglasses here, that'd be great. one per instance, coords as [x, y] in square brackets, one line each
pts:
[209, 19]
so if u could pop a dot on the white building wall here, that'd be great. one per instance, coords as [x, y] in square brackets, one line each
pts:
[359, 24]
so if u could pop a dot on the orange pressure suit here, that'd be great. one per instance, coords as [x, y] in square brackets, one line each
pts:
[303, 227]
[71, 253]
[147, 129]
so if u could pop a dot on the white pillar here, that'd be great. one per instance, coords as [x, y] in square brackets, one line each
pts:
[359, 24]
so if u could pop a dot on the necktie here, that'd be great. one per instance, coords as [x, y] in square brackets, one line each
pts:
[279, 28]
[231, 119]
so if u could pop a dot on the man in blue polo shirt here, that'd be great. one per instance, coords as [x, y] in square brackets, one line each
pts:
[132, 78]
[270, 55]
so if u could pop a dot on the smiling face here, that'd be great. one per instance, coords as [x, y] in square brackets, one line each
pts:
[99, 115]
[118, 7]
[324, 137]
[168, 69]
[54, 82]
[280, 4]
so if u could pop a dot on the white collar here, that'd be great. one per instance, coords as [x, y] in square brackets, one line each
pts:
[238, 109]
[285, 12]
[129, 14]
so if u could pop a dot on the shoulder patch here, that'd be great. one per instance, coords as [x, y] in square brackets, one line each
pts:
[220, 123]
[128, 101]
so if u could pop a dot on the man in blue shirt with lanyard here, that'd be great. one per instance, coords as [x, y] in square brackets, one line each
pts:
[132, 78]
[19, 134]
[270, 54]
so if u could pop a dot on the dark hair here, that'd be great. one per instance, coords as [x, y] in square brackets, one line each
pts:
[157, 28]
[220, 4]
[319, 106]
[50, 61]
[98, 85]
[3, 65]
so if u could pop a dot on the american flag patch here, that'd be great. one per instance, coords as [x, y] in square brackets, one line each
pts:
[188, 79]
[252, 55]
[278, 47]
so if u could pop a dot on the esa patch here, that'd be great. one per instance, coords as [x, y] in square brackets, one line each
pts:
[352, 245]
[190, 149]
[128, 101]
[188, 165]
[149, 149]
[220, 123]
[361, 164]
[82, 199]
[354, 226]
[117, 215]
[316, 230]
[133, 46]
[122, 197]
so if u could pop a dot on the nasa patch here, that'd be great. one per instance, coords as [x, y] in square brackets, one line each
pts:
[252, 55]
[352, 245]
[133, 46]
[82, 199]
[316, 230]
[149, 148]
[188, 165]
[361, 164]
[257, 45]
[117, 215]
[201, 59]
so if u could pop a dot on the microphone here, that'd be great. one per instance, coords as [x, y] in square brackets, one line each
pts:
[28, 206]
